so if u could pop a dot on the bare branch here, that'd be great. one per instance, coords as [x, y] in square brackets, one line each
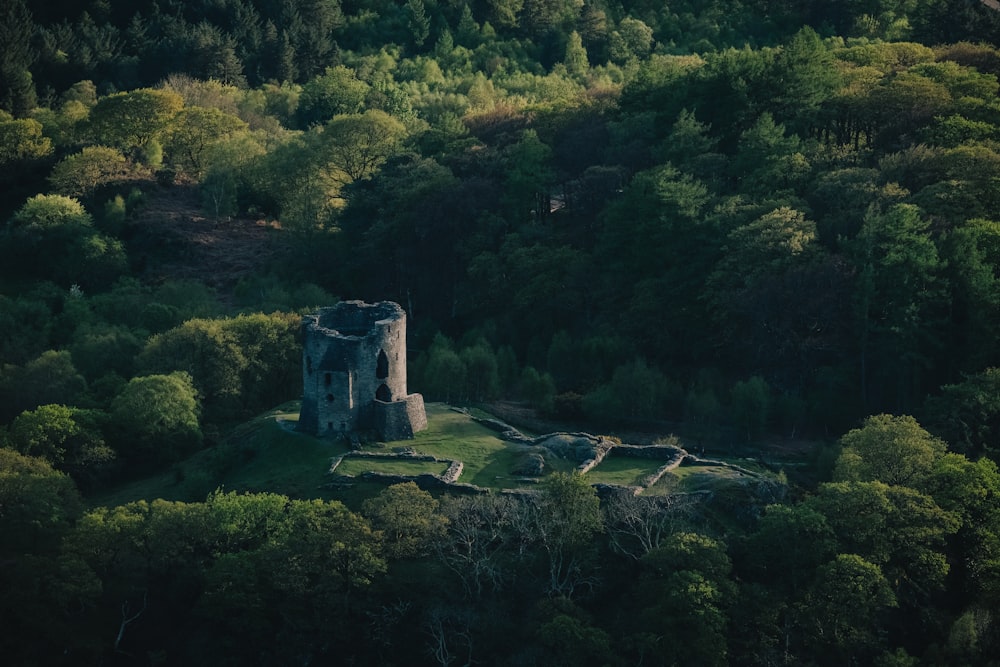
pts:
[127, 618]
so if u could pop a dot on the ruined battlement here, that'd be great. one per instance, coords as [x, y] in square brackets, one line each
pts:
[357, 318]
[354, 372]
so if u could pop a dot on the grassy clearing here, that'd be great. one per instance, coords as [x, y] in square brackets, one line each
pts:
[488, 460]
[283, 461]
[623, 470]
[356, 466]
[267, 454]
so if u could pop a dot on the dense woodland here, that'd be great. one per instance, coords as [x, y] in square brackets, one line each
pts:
[743, 222]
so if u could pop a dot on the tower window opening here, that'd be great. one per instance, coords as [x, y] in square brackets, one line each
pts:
[382, 365]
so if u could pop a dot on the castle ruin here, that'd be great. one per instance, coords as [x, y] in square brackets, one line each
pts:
[354, 372]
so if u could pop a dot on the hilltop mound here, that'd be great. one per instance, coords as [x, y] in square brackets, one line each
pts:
[267, 454]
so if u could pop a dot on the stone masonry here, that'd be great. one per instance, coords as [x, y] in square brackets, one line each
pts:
[354, 372]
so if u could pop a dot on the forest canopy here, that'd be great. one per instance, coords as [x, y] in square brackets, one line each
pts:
[750, 223]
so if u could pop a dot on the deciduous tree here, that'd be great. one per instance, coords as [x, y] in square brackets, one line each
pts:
[353, 147]
[337, 92]
[82, 173]
[843, 609]
[788, 545]
[893, 450]
[68, 438]
[566, 519]
[44, 590]
[751, 404]
[209, 353]
[632, 40]
[192, 132]
[50, 378]
[22, 139]
[480, 542]
[408, 518]
[157, 418]
[900, 530]
[683, 592]
[636, 525]
[130, 120]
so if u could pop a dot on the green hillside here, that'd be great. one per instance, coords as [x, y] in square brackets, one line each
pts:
[768, 232]
[267, 454]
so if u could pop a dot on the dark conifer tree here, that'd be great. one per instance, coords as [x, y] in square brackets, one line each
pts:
[17, 89]
[247, 37]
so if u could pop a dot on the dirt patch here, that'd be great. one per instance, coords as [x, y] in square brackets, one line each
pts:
[171, 238]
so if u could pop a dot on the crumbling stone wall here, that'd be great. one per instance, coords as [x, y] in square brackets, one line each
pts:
[402, 418]
[354, 372]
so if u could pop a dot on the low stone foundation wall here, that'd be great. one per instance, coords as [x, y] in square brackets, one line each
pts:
[591, 450]
[506, 431]
[448, 478]
[589, 464]
[672, 456]
[453, 472]
[409, 456]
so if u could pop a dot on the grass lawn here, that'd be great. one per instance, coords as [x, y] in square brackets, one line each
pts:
[623, 470]
[488, 460]
[356, 466]
[267, 454]
[283, 460]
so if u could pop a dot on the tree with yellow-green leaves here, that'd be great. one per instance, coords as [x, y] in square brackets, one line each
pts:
[353, 147]
[890, 449]
[53, 236]
[157, 418]
[130, 120]
[191, 134]
[21, 139]
[565, 521]
[82, 173]
[408, 517]
[69, 438]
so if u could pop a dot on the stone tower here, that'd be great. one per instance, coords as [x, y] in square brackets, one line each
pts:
[354, 372]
